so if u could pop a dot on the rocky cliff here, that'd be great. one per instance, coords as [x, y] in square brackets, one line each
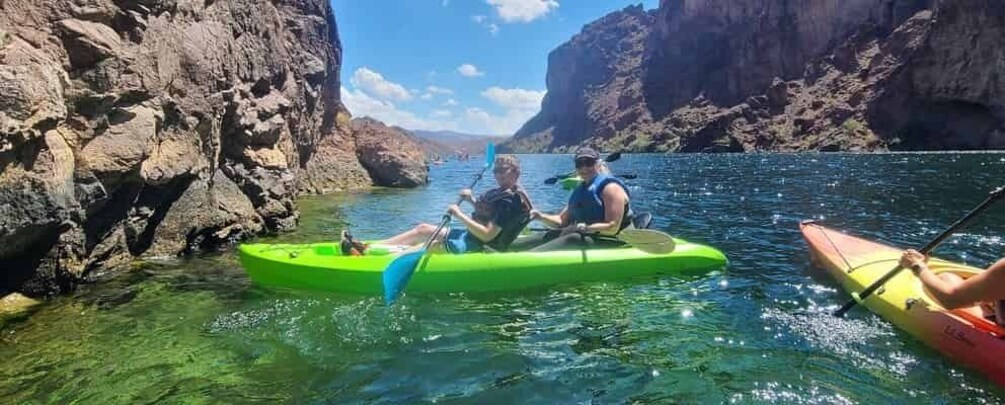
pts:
[392, 156]
[132, 129]
[749, 75]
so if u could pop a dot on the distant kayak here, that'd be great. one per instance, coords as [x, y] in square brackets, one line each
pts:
[321, 266]
[570, 183]
[962, 335]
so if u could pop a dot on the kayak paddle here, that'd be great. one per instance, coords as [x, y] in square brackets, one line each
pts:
[858, 297]
[646, 240]
[399, 271]
[554, 179]
[627, 176]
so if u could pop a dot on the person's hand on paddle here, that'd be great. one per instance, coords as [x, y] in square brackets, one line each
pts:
[914, 260]
[467, 196]
[574, 228]
[454, 210]
[552, 221]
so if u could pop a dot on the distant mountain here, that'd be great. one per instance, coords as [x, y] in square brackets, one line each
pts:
[452, 138]
[446, 143]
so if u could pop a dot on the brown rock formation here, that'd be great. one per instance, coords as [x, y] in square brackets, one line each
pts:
[130, 129]
[950, 94]
[334, 166]
[744, 75]
[391, 156]
[594, 84]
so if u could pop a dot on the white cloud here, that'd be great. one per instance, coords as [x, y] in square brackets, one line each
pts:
[439, 90]
[518, 105]
[469, 70]
[483, 21]
[515, 99]
[522, 10]
[375, 85]
[360, 104]
[506, 124]
[432, 91]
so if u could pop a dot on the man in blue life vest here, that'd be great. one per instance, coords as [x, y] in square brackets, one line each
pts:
[598, 209]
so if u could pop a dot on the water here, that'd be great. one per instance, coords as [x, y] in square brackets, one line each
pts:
[197, 331]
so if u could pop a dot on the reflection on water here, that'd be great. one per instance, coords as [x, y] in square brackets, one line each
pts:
[195, 330]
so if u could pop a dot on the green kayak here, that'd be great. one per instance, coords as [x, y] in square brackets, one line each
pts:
[570, 183]
[321, 266]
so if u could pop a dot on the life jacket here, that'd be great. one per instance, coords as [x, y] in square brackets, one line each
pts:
[587, 205]
[485, 207]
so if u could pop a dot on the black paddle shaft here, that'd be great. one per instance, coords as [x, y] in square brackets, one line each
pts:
[554, 179]
[992, 198]
[446, 217]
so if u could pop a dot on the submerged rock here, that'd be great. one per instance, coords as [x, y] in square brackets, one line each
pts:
[15, 305]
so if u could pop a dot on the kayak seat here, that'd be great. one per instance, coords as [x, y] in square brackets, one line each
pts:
[642, 220]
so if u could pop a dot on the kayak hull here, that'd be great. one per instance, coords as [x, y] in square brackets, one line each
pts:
[570, 183]
[321, 267]
[962, 335]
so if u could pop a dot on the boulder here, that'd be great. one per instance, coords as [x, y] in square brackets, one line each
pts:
[390, 155]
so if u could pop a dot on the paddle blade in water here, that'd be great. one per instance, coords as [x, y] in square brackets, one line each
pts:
[397, 274]
[648, 240]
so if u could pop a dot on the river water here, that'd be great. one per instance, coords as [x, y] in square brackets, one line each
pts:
[196, 330]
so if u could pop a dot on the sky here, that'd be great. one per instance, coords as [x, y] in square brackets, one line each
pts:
[472, 66]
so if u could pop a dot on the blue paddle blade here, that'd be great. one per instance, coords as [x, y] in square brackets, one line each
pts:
[400, 270]
[397, 274]
[490, 154]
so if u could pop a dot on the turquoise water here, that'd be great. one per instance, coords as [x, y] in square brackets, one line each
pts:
[196, 330]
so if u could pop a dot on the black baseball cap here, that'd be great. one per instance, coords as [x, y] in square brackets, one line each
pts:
[586, 152]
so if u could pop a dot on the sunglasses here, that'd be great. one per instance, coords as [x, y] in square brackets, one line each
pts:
[585, 162]
[500, 170]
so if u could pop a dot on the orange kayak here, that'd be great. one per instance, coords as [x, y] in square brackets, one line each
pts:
[963, 335]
